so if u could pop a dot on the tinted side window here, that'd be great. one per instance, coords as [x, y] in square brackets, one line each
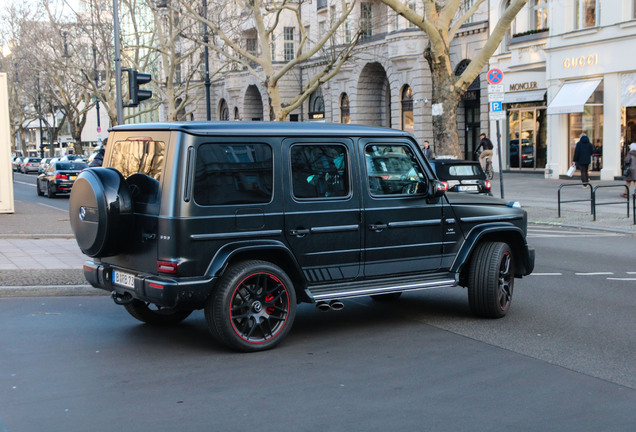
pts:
[233, 174]
[392, 169]
[319, 171]
[139, 157]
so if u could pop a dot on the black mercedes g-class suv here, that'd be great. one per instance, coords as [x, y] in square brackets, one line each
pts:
[245, 220]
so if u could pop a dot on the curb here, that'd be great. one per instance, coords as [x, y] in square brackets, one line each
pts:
[591, 228]
[51, 291]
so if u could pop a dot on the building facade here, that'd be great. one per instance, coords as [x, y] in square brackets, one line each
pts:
[386, 82]
[568, 70]
[591, 79]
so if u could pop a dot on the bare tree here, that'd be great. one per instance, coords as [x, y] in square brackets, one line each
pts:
[441, 21]
[264, 21]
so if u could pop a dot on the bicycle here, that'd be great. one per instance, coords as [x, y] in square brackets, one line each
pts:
[489, 170]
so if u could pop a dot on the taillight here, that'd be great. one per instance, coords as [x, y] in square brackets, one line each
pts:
[59, 176]
[168, 267]
[488, 184]
[442, 186]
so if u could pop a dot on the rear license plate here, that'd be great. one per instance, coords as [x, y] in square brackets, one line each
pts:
[123, 279]
[467, 188]
[72, 177]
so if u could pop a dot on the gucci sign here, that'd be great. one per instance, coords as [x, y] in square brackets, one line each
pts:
[572, 62]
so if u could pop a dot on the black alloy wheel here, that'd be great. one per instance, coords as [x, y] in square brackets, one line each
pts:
[253, 306]
[49, 190]
[37, 187]
[491, 280]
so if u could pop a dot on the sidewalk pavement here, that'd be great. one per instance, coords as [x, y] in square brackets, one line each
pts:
[38, 250]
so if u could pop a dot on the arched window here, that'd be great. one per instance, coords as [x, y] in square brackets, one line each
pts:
[345, 113]
[407, 109]
[236, 114]
[316, 105]
[224, 113]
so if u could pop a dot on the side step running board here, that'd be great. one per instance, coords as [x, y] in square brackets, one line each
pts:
[361, 289]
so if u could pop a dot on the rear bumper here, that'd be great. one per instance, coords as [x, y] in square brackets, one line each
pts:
[184, 293]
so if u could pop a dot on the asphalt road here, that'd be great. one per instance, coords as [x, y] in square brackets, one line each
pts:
[24, 190]
[561, 360]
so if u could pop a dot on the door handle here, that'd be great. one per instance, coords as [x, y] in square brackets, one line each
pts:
[300, 232]
[377, 227]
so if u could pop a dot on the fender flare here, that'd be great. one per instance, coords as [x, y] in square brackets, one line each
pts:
[225, 254]
[498, 231]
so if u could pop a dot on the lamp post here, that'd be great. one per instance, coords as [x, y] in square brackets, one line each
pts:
[120, 103]
[40, 117]
[206, 60]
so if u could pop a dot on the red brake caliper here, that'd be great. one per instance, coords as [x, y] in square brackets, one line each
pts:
[269, 298]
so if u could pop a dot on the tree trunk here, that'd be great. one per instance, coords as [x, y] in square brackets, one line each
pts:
[445, 99]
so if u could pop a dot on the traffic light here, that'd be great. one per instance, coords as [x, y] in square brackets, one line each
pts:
[135, 79]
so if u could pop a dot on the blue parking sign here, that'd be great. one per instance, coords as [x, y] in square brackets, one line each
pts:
[496, 106]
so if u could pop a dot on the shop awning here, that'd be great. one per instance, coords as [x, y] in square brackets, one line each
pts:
[572, 96]
[527, 96]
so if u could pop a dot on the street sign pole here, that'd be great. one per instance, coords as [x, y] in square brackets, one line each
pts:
[501, 185]
[497, 113]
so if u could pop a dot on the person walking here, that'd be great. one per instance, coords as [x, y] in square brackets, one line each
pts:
[98, 160]
[487, 147]
[630, 164]
[427, 150]
[583, 156]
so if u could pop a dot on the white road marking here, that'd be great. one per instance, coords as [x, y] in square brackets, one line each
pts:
[594, 273]
[50, 206]
[24, 183]
[622, 279]
[547, 274]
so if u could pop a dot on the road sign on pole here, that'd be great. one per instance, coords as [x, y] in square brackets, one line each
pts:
[494, 76]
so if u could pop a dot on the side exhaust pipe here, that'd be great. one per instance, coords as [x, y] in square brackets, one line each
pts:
[323, 306]
[334, 305]
[121, 299]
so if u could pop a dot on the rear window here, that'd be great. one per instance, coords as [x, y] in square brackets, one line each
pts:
[64, 166]
[233, 174]
[459, 171]
[139, 157]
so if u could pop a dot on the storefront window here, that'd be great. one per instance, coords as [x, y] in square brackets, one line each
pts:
[316, 105]
[590, 123]
[527, 131]
[586, 13]
[407, 109]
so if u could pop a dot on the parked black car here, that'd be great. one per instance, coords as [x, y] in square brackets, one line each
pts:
[462, 176]
[246, 219]
[59, 177]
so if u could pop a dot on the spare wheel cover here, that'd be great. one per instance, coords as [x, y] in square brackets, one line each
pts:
[99, 210]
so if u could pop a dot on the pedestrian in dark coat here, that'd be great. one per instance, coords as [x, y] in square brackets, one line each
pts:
[427, 150]
[99, 157]
[583, 156]
[630, 163]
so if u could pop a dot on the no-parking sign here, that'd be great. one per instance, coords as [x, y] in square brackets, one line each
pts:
[494, 76]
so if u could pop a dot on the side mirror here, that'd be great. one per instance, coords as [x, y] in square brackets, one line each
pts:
[437, 188]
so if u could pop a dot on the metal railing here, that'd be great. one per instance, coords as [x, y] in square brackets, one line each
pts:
[596, 203]
[591, 199]
[594, 200]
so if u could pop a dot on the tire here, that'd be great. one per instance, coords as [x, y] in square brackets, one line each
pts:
[37, 186]
[101, 212]
[491, 280]
[253, 306]
[156, 316]
[49, 191]
[387, 297]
